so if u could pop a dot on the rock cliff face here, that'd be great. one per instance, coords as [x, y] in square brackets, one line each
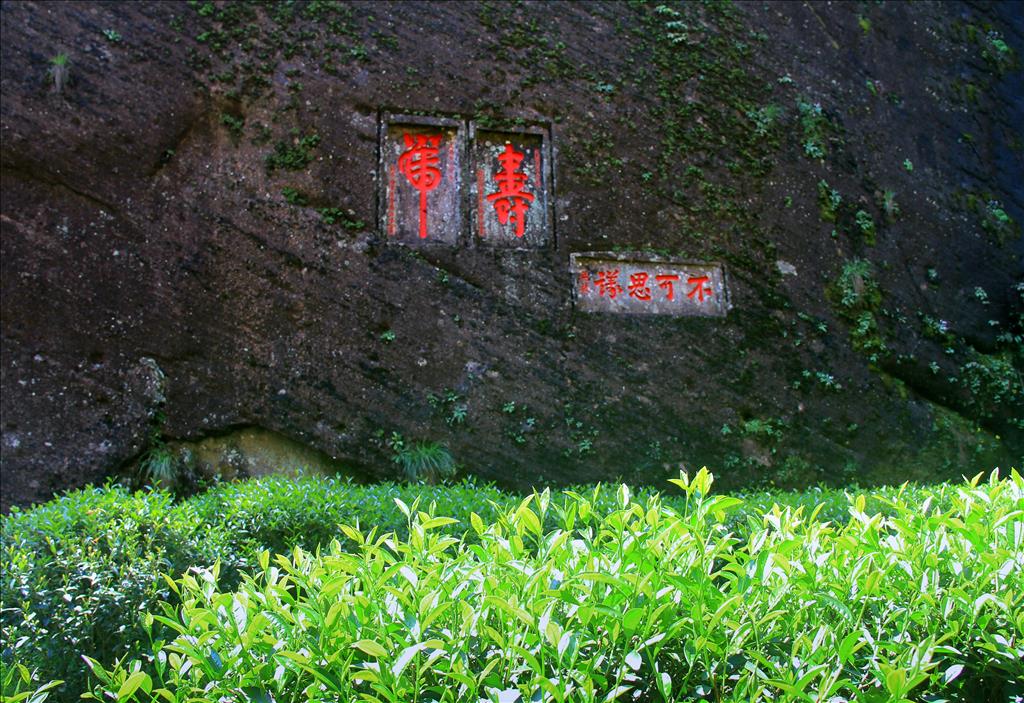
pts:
[190, 244]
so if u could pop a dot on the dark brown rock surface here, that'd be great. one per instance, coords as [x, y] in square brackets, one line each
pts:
[162, 278]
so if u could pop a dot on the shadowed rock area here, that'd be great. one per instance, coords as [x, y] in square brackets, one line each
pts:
[190, 243]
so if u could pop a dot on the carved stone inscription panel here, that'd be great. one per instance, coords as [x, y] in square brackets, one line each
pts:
[421, 179]
[642, 285]
[510, 186]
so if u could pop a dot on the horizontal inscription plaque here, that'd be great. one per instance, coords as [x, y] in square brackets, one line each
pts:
[639, 284]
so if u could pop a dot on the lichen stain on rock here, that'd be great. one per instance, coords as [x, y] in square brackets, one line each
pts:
[254, 451]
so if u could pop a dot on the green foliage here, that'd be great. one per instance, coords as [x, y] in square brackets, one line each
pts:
[829, 201]
[889, 205]
[815, 126]
[60, 71]
[605, 596]
[998, 53]
[293, 196]
[102, 547]
[770, 429]
[158, 467]
[112, 35]
[994, 384]
[330, 215]
[18, 684]
[234, 124]
[293, 156]
[855, 289]
[79, 572]
[866, 224]
[450, 404]
[857, 298]
[866, 336]
[425, 462]
[995, 221]
[764, 118]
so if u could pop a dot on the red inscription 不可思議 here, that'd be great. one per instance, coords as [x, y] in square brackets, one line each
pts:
[638, 287]
[419, 165]
[511, 201]
[607, 282]
[667, 281]
[627, 283]
[701, 287]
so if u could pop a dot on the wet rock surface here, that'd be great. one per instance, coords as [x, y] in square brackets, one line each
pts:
[190, 238]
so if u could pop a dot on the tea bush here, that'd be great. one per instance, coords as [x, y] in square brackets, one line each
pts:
[277, 513]
[644, 602]
[79, 571]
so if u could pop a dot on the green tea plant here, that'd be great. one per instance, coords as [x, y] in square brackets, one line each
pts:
[79, 572]
[18, 684]
[647, 601]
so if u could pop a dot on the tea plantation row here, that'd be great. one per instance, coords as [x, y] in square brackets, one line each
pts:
[318, 590]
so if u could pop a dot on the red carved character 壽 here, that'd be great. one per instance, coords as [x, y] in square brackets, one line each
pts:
[511, 201]
[419, 165]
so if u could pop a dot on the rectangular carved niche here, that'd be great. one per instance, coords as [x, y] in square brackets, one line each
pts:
[510, 187]
[421, 162]
[639, 284]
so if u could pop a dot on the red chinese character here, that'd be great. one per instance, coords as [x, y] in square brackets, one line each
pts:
[584, 282]
[419, 166]
[665, 280]
[511, 199]
[638, 287]
[608, 282]
[701, 287]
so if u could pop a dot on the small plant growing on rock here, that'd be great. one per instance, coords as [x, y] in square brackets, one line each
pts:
[293, 196]
[292, 157]
[814, 125]
[234, 124]
[425, 462]
[995, 221]
[856, 287]
[60, 70]
[889, 205]
[331, 215]
[857, 297]
[829, 201]
[157, 466]
[867, 226]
